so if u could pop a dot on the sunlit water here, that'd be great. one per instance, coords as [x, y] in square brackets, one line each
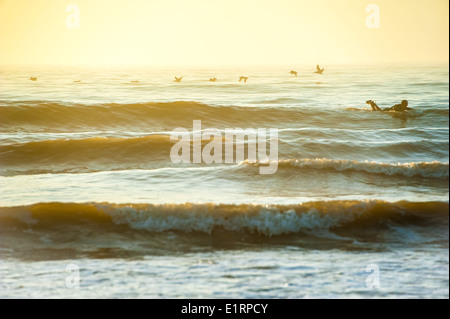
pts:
[98, 150]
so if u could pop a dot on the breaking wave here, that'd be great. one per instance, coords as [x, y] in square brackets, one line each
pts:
[273, 220]
[434, 169]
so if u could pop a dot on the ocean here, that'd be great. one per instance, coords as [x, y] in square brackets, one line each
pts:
[93, 206]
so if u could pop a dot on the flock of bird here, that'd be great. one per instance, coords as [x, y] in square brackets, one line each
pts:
[214, 79]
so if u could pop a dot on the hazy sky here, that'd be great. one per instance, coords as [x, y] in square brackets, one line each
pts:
[223, 32]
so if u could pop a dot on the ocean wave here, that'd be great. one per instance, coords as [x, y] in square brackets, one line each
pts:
[153, 151]
[434, 169]
[349, 216]
[160, 116]
[369, 149]
[54, 116]
[87, 155]
[45, 113]
[76, 155]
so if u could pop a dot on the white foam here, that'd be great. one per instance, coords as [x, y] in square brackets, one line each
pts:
[422, 169]
[205, 218]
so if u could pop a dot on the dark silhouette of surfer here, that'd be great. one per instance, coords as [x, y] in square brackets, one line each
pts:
[402, 107]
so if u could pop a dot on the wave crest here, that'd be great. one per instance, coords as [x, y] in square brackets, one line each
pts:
[273, 220]
[434, 169]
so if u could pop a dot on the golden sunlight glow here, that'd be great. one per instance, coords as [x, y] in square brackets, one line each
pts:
[222, 32]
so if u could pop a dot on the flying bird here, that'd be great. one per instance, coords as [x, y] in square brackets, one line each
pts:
[319, 70]
[178, 79]
[245, 78]
[293, 73]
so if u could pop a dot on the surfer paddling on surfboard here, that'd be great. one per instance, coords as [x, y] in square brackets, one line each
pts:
[402, 107]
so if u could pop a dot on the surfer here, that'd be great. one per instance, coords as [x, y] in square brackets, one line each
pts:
[244, 78]
[402, 107]
[293, 73]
